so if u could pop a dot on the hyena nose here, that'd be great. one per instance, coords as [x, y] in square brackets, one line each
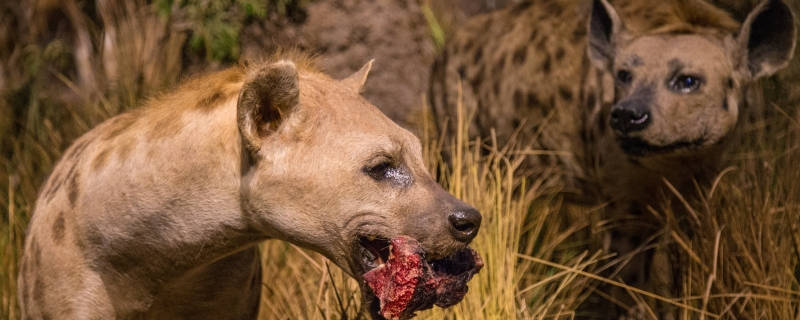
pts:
[629, 119]
[464, 223]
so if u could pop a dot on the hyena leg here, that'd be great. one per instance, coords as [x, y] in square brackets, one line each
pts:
[662, 277]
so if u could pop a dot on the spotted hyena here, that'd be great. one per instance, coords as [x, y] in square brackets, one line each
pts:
[156, 213]
[631, 92]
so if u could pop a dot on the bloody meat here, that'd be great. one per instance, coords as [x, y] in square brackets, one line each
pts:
[407, 282]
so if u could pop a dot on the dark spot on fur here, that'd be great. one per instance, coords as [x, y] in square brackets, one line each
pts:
[729, 82]
[579, 33]
[477, 79]
[565, 93]
[520, 7]
[165, 127]
[659, 21]
[125, 148]
[38, 290]
[76, 150]
[541, 45]
[58, 181]
[74, 190]
[101, 158]
[58, 228]
[635, 61]
[94, 239]
[496, 88]
[467, 45]
[37, 254]
[675, 65]
[501, 63]
[520, 55]
[478, 55]
[208, 102]
[461, 71]
[554, 8]
[546, 64]
[560, 52]
[591, 99]
[53, 184]
[517, 98]
[119, 125]
[533, 36]
[533, 100]
[725, 103]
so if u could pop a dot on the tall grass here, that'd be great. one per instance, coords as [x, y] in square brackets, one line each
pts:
[740, 244]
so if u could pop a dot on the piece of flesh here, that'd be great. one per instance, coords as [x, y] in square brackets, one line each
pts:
[407, 283]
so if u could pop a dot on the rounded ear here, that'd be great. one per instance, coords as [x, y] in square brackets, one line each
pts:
[359, 78]
[267, 97]
[767, 39]
[604, 27]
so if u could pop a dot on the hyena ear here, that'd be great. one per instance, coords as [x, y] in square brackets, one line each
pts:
[604, 27]
[359, 78]
[267, 97]
[767, 39]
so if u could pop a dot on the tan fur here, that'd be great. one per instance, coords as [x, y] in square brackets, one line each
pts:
[155, 213]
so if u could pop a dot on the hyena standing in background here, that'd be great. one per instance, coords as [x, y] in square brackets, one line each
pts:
[649, 94]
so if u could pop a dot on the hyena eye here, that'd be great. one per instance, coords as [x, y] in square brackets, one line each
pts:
[624, 76]
[379, 171]
[685, 83]
[389, 171]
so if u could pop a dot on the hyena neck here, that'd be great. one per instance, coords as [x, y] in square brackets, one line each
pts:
[175, 219]
[648, 180]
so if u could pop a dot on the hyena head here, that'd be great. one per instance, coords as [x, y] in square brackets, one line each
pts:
[325, 169]
[678, 91]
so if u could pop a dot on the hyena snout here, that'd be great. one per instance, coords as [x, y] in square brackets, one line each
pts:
[464, 223]
[629, 116]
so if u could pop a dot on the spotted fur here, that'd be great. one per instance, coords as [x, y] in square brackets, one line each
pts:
[608, 87]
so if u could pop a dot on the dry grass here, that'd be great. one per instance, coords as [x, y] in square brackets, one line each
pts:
[738, 241]
[742, 260]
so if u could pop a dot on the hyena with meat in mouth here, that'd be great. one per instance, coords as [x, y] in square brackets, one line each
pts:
[157, 212]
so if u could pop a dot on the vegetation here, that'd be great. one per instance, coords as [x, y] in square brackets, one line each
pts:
[740, 260]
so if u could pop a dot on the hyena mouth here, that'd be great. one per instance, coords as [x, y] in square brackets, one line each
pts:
[398, 280]
[638, 147]
[373, 251]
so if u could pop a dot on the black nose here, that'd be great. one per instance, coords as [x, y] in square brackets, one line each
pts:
[464, 224]
[629, 119]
